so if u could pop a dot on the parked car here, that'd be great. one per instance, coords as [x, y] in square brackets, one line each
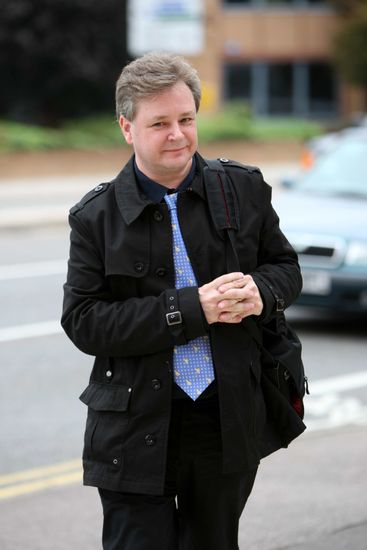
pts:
[319, 145]
[324, 216]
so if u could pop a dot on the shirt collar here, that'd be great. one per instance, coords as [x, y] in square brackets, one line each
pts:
[132, 201]
[154, 190]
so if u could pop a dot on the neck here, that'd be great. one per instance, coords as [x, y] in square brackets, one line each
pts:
[167, 179]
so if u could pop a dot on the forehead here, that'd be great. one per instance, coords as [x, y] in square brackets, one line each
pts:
[173, 100]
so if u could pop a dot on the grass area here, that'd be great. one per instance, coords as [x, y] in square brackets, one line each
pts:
[282, 129]
[235, 122]
[90, 133]
[232, 123]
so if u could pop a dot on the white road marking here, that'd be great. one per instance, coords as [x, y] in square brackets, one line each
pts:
[330, 411]
[32, 269]
[32, 330]
[344, 382]
[326, 408]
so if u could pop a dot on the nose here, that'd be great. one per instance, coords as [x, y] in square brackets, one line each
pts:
[175, 132]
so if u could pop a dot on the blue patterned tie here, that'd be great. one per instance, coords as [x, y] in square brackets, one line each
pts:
[193, 363]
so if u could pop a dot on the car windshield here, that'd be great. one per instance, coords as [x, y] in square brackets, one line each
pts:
[341, 172]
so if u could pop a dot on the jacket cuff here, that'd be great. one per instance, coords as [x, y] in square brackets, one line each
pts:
[268, 300]
[194, 321]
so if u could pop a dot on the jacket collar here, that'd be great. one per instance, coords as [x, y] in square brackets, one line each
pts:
[131, 201]
[155, 191]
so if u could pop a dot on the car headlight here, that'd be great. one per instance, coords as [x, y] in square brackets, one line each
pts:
[356, 253]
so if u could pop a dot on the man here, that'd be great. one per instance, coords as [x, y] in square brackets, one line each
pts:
[175, 407]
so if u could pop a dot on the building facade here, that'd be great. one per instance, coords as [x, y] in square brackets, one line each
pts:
[276, 55]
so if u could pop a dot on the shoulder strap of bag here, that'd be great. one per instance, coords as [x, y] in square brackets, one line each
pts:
[223, 209]
[220, 196]
[224, 212]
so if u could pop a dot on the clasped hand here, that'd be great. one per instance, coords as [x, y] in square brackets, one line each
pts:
[230, 298]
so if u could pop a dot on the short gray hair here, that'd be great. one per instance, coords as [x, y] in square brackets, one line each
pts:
[149, 75]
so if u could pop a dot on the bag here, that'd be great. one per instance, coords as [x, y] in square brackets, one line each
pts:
[281, 358]
[283, 377]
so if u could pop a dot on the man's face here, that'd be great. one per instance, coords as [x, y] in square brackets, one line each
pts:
[163, 134]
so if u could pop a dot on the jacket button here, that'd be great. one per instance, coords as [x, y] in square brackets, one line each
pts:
[138, 266]
[149, 440]
[158, 216]
[156, 384]
[115, 461]
[161, 271]
[108, 373]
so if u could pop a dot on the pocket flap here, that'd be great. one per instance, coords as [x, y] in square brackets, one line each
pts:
[106, 397]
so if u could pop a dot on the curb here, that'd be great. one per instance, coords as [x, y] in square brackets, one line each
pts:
[40, 202]
[21, 218]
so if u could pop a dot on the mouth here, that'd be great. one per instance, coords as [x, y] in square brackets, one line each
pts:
[176, 150]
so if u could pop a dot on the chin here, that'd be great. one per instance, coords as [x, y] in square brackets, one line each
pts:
[182, 156]
[178, 165]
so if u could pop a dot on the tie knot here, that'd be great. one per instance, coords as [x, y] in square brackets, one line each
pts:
[171, 201]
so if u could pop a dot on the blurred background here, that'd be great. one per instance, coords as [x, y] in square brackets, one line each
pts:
[285, 88]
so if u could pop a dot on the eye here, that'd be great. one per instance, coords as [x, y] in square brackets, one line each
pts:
[186, 120]
[158, 125]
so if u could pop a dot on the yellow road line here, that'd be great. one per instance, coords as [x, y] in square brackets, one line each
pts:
[40, 485]
[42, 471]
[38, 479]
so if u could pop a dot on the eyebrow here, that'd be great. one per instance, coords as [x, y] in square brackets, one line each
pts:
[182, 115]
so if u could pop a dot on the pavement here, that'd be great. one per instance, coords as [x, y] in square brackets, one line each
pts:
[309, 497]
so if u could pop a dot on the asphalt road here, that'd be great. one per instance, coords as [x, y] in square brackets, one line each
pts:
[313, 495]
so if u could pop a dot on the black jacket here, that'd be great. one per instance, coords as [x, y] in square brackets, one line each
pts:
[120, 278]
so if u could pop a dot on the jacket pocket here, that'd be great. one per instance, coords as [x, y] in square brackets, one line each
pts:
[106, 422]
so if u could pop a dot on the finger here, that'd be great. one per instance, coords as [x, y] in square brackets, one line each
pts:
[229, 278]
[229, 318]
[236, 283]
[238, 294]
[227, 305]
[240, 308]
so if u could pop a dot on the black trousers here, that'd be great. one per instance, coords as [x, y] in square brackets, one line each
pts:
[200, 508]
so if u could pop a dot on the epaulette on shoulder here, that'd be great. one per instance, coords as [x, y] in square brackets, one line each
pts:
[234, 163]
[92, 194]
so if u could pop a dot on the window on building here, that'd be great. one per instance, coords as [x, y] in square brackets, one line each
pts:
[237, 1]
[280, 88]
[300, 89]
[237, 81]
[264, 3]
[321, 88]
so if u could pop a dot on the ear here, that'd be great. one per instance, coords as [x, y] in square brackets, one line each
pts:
[125, 126]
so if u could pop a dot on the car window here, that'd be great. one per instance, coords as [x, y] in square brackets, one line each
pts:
[341, 172]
